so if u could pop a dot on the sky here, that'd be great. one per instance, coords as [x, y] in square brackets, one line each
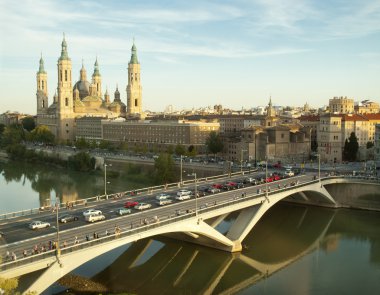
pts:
[197, 53]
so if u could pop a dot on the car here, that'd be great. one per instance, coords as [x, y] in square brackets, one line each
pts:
[67, 218]
[217, 185]
[276, 177]
[143, 206]
[250, 180]
[213, 190]
[288, 173]
[269, 179]
[91, 212]
[95, 217]
[277, 165]
[130, 204]
[39, 224]
[162, 196]
[183, 197]
[164, 202]
[123, 211]
[183, 192]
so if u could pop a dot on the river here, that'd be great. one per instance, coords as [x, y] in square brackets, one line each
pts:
[292, 250]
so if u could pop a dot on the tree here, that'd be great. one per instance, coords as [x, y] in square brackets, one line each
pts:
[214, 143]
[28, 123]
[42, 134]
[314, 146]
[81, 143]
[180, 150]
[12, 134]
[82, 162]
[351, 147]
[164, 169]
[104, 144]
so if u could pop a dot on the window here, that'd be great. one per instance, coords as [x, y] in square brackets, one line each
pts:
[60, 76]
[136, 102]
[66, 102]
[65, 75]
[42, 85]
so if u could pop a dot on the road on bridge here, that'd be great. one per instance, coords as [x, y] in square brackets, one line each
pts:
[19, 238]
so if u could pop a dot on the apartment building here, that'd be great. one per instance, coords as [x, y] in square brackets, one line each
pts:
[158, 135]
[341, 105]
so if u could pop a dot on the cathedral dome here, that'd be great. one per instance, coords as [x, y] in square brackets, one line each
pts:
[83, 87]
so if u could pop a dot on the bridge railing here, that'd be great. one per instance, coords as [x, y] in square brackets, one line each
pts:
[130, 193]
[164, 220]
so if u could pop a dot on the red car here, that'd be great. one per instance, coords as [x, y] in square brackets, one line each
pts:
[276, 177]
[269, 179]
[130, 204]
[217, 185]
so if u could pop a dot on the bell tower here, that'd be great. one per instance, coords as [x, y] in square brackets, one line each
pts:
[134, 89]
[42, 92]
[97, 79]
[65, 104]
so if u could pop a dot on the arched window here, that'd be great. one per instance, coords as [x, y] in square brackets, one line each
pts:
[43, 104]
[66, 102]
[42, 82]
[60, 76]
[65, 75]
[136, 102]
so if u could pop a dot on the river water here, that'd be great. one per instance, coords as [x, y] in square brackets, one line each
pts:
[292, 250]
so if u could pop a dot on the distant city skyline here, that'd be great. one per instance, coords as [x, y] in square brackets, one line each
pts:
[197, 53]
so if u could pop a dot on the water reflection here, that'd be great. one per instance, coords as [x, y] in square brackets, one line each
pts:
[285, 236]
[26, 185]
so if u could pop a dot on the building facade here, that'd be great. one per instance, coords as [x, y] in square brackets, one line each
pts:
[84, 98]
[157, 136]
[341, 105]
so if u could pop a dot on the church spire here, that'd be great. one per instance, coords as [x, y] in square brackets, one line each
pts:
[134, 54]
[270, 110]
[64, 55]
[96, 68]
[42, 68]
[83, 73]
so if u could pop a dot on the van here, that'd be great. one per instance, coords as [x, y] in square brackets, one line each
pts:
[95, 217]
[123, 211]
[162, 197]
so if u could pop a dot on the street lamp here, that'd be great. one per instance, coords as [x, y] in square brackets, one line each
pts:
[195, 192]
[57, 221]
[241, 160]
[266, 176]
[319, 167]
[181, 172]
[105, 179]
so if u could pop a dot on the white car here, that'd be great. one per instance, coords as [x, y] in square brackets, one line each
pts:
[162, 197]
[38, 224]
[164, 202]
[142, 206]
[289, 173]
[92, 212]
[95, 217]
[183, 192]
[183, 197]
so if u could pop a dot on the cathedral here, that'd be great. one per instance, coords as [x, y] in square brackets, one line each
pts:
[84, 98]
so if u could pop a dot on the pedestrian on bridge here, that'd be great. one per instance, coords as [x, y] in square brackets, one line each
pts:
[25, 253]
